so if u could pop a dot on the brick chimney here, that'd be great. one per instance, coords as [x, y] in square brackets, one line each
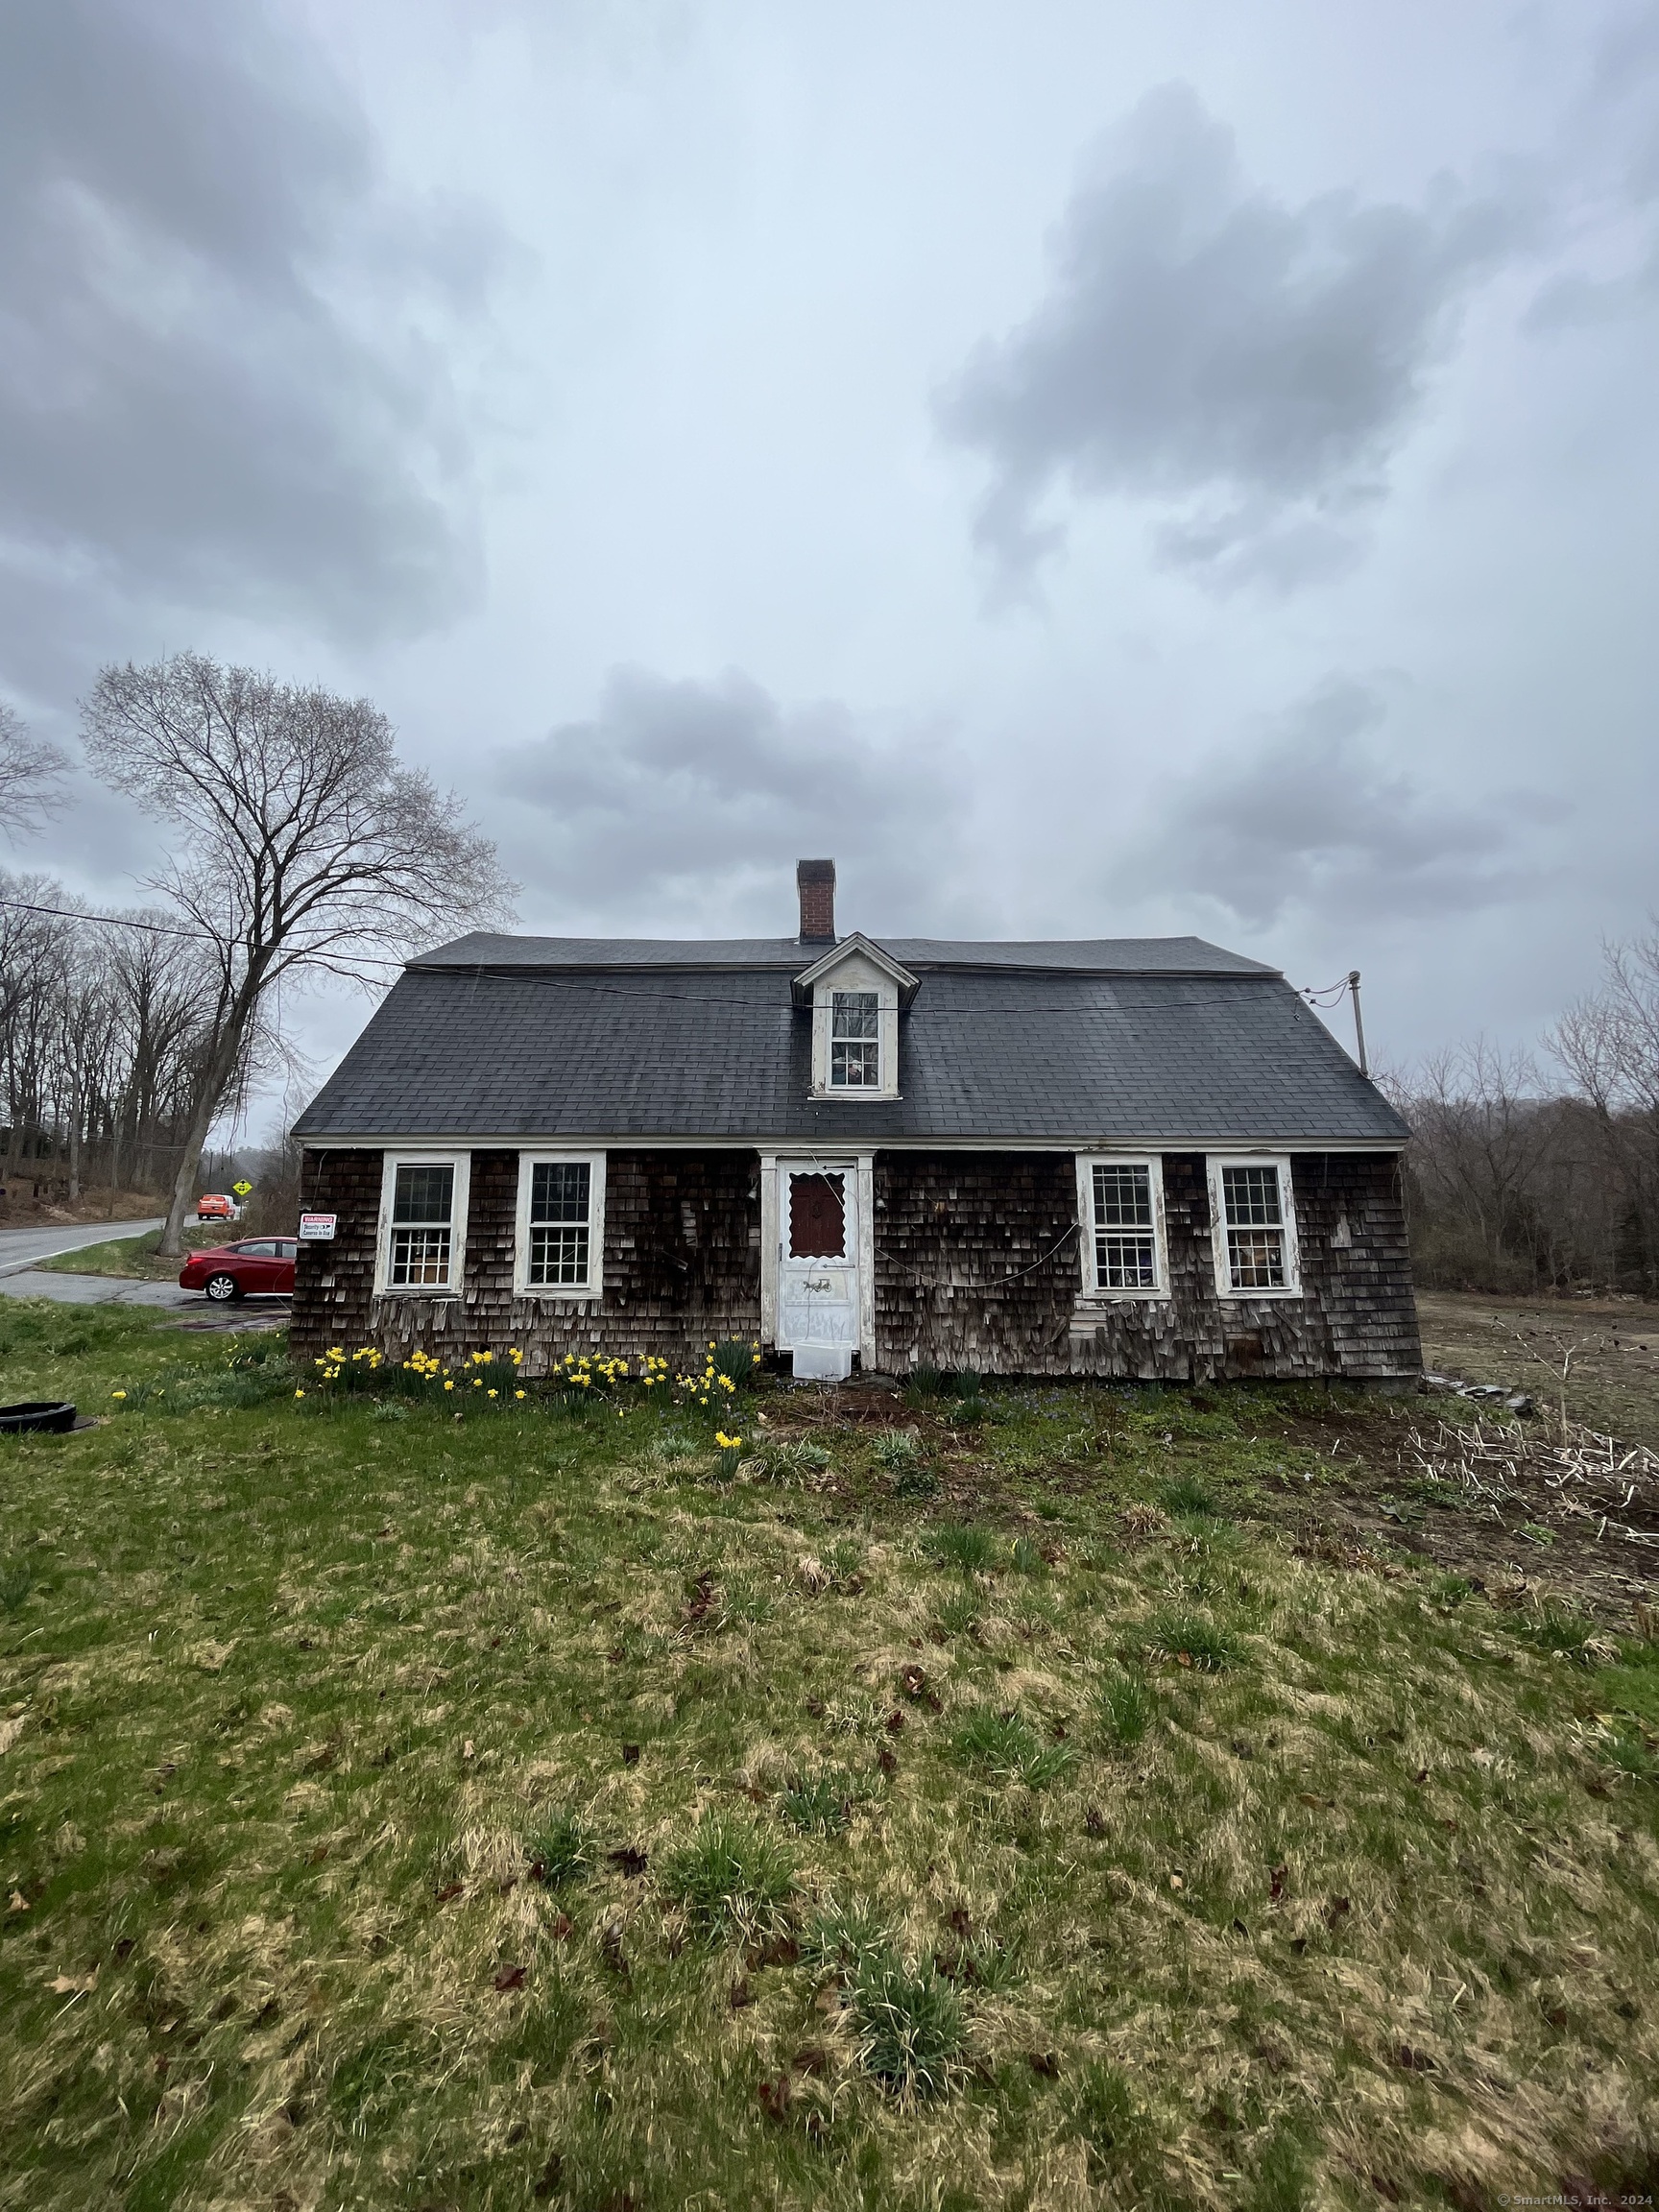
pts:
[815, 881]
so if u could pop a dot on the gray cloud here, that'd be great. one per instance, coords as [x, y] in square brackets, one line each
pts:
[218, 386]
[1250, 365]
[694, 800]
[1317, 818]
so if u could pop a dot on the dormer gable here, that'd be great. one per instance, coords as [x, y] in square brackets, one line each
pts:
[855, 992]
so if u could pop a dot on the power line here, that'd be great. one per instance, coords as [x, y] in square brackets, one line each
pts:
[1327, 995]
[161, 929]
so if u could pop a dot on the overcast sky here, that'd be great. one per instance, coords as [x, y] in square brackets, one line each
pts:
[1091, 468]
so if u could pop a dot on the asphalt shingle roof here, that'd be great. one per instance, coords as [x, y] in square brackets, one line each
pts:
[1160, 1042]
[1096, 955]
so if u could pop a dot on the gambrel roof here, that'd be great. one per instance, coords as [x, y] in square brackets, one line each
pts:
[1161, 1042]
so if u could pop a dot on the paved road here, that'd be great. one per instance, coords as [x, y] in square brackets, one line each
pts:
[22, 1247]
[18, 1279]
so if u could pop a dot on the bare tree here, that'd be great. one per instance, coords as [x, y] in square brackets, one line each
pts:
[1609, 1045]
[309, 849]
[32, 775]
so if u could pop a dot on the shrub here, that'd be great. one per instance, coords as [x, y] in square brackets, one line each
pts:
[911, 2030]
[733, 1880]
[1007, 1747]
[969, 1550]
[926, 1381]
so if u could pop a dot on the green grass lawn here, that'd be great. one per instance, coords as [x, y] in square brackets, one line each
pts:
[422, 1800]
[136, 1258]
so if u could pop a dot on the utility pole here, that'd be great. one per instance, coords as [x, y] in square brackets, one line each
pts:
[1358, 1023]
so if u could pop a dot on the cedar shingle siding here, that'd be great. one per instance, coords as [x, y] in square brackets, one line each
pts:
[682, 1263]
[967, 1273]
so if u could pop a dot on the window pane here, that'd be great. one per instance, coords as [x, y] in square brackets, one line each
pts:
[854, 1066]
[425, 1194]
[1125, 1262]
[1123, 1198]
[1251, 1195]
[420, 1257]
[852, 1014]
[1255, 1258]
[559, 1256]
[559, 1191]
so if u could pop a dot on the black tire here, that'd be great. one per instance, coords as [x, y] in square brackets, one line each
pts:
[222, 1288]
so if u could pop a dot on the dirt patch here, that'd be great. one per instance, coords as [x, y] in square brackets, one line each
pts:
[1614, 1380]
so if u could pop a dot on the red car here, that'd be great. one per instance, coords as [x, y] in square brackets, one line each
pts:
[233, 1270]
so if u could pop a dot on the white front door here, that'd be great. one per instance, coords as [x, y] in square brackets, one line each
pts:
[818, 1256]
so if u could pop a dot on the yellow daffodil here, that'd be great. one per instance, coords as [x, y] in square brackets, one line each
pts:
[117, 1393]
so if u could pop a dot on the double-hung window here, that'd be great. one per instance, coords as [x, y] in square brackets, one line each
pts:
[854, 1041]
[1120, 1206]
[1254, 1235]
[561, 1225]
[423, 1225]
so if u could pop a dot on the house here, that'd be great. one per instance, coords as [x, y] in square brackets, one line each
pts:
[1123, 1158]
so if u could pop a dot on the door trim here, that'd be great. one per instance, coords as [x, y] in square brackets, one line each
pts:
[774, 1169]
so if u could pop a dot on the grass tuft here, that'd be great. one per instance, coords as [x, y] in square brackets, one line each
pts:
[1009, 1749]
[1126, 1707]
[912, 2029]
[820, 1804]
[969, 1550]
[562, 1849]
[734, 1881]
[1191, 1639]
[1188, 1494]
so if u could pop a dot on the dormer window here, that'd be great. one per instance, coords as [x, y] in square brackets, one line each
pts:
[854, 1041]
[856, 994]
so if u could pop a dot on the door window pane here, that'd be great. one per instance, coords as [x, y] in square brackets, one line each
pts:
[817, 1217]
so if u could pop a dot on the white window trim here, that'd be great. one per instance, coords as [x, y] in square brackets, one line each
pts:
[886, 995]
[564, 1293]
[1292, 1283]
[1094, 1292]
[460, 1198]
